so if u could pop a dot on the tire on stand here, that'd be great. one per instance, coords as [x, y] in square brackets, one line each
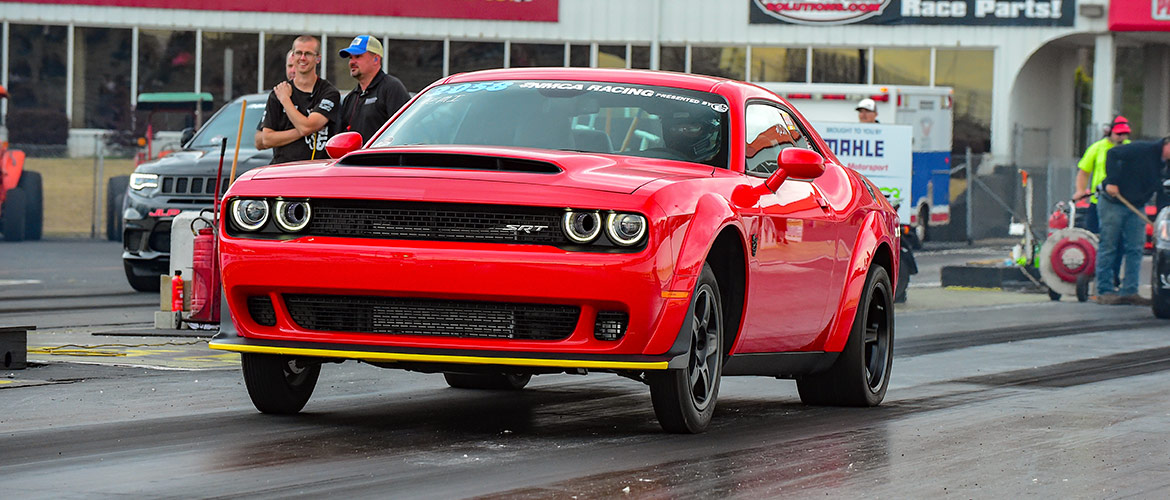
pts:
[861, 373]
[13, 216]
[34, 204]
[279, 385]
[489, 381]
[115, 201]
[684, 398]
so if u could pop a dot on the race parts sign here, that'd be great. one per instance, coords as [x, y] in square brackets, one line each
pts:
[878, 151]
[898, 12]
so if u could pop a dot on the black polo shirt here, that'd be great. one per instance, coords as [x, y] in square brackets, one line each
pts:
[366, 111]
[323, 99]
[1136, 169]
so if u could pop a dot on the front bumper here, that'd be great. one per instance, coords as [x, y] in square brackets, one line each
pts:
[638, 284]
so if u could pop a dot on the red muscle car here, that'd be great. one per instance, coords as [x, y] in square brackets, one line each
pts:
[669, 228]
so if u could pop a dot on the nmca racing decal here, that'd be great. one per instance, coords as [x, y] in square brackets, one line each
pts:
[822, 11]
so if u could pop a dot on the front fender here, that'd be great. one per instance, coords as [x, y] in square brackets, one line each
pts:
[874, 237]
[712, 214]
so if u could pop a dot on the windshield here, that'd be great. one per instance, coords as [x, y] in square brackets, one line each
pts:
[226, 123]
[598, 117]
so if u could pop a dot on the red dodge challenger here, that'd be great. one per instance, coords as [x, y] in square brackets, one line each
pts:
[668, 228]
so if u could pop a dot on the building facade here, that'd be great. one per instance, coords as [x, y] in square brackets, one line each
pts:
[1034, 80]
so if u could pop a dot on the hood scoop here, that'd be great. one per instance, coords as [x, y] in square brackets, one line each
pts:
[448, 160]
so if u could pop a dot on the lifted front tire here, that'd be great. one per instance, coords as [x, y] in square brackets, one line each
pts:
[279, 384]
[684, 398]
[861, 373]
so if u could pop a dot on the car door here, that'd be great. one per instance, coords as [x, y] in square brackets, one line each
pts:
[792, 266]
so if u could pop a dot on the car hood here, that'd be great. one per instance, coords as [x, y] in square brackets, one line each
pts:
[593, 171]
[204, 162]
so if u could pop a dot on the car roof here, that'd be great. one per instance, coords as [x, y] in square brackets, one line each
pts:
[645, 77]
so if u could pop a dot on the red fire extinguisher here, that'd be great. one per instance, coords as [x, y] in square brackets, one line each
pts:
[205, 284]
[177, 291]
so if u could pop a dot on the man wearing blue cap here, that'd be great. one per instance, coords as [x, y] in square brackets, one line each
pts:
[377, 96]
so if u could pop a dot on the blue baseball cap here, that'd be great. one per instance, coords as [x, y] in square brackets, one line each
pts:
[360, 45]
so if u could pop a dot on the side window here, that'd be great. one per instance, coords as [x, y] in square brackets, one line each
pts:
[767, 134]
[799, 139]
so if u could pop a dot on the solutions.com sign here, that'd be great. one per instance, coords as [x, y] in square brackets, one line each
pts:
[897, 12]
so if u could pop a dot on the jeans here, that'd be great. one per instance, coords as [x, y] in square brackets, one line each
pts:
[1119, 226]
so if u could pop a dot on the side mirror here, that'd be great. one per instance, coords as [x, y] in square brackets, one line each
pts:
[796, 162]
[343, 144]
[187, 135]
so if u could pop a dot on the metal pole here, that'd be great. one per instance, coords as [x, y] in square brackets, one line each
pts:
[98, 174]
[970, 199]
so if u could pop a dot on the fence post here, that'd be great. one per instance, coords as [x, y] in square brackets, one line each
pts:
[970, 199]
[98, 174]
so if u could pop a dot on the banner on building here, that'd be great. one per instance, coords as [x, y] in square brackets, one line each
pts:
[495, 10]
[1139, 15]
[901, 12]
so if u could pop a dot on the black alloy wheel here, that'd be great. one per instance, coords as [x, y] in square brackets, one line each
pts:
[277, 384]
[861, 373]
[684, 398]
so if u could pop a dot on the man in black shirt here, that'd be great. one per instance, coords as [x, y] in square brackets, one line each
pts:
[301, 114]
[377, 96]
[1133, 171]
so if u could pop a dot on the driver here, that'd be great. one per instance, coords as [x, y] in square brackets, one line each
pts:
[693, 134]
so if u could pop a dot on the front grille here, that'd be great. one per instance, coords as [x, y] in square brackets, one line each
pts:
[437, 222]
[160, 238]
[190, 185]
[610, 325]
[260, 308]
[401, 316]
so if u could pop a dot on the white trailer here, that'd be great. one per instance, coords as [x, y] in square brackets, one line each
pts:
[927, 110]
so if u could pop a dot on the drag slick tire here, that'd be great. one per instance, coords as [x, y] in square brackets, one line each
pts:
[488, 381]
[684, 398]
[279, 385]
[861, 373]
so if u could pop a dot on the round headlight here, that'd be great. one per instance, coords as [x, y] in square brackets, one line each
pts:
[625, 229]
[582, 227]
[249, 215]
[292, 216]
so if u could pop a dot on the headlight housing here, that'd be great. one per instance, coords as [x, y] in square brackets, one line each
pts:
[292, 216]
[581, 226]
[138, 181]
[625, 229]
[249, 214]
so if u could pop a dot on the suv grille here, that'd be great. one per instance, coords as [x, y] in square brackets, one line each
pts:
[401, 316]
[190, 185]
[434, 221]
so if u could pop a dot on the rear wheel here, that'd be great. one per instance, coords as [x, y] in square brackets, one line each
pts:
[1160, 302]
[13, 220]
[490, 381]
[861, 373]
[34, 205]
[684, 398]
[140, 280]
[279, 384]
[115, 202]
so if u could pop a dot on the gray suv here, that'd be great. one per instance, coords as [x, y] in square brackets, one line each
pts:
[182, 181]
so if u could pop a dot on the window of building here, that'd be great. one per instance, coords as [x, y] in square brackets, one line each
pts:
[36, 80]
[579, 56]
[473, 56]
[839, 65]
[276, 49]
[338, 67]
[101, 76]
[640, 57]
[611, 56]
[166, 63]
[769, 130]
[529, 55]
[901, 66]
[417, 63]
[229, 65]
[969, 73]
[672, 59]
[777, 64]
[726, 62]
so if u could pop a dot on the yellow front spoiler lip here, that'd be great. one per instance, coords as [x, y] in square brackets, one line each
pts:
[441, 358]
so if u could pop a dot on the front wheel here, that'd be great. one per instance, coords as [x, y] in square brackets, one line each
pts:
[684, 398]
[861, 373]
[279, 384]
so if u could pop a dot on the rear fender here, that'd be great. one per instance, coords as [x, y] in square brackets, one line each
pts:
[873, 234]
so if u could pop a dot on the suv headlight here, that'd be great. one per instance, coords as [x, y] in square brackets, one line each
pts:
[139, 181]
[1162, 232]
[249, 215]
[625, 229]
